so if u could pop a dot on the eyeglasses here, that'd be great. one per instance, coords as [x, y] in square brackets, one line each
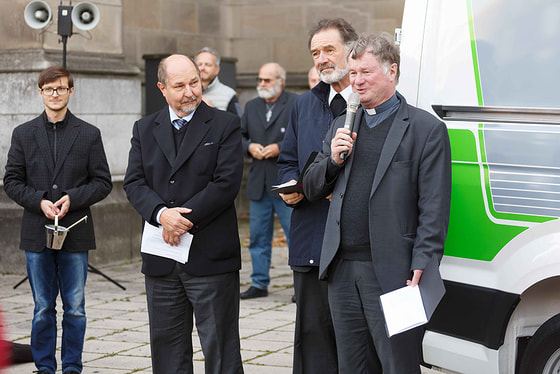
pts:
[61, 91]
[266, 80]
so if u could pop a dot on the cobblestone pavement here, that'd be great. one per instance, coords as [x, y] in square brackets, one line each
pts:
[117, 338]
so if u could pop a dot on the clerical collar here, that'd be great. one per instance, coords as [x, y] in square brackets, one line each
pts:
[345, 93]
[392, 102]
[173, 116]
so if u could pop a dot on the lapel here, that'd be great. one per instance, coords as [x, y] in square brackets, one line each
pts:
[163, 133]
[41, 138]
[394, 138]
[278, 108]
[66, 142]
[197, 128]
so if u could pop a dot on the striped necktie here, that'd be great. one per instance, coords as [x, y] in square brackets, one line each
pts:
[178, 123]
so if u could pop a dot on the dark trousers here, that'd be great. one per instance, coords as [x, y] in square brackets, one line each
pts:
[214, 300]
[354, 300]
[314, 342]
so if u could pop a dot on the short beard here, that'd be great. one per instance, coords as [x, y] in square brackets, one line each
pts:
[189, 107]
[335, 76]
[268, 93]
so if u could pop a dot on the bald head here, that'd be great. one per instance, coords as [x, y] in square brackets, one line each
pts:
[174, 62]
[180, 84]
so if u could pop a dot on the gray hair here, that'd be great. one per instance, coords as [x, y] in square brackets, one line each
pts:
[381, 46]
[211, 51]
[346, 31]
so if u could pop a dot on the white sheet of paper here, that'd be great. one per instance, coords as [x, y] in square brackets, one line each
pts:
[403, 309]
[152, 243]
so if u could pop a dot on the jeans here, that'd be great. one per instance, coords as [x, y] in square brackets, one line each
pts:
[49, 271]
[261, 226]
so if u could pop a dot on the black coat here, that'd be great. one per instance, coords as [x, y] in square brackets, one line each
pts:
[204, 174]
[81, 171]
[263, 174]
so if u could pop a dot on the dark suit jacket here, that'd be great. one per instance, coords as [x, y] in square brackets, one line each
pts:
[204, 174]
[81, 171]
[263, 174]
[409, 200]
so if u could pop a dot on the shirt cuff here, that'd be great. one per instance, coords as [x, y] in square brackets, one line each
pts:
[159, 214]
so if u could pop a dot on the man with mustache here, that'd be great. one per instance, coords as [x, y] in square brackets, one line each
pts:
[314, 346]
[263, 126]
[57, 169]
[184, 171]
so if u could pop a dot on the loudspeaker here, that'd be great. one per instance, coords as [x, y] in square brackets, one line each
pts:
[85, 16]
[37, 14]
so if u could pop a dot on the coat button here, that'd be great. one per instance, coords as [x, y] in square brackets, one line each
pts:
[172, 181]
[311, 261]
[54, 187]
[341, 195]
[172, 202]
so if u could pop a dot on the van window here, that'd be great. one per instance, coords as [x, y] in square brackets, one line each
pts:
[518, 54]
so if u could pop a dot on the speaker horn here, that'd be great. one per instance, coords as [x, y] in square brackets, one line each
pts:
[85, 16]
[37, 14]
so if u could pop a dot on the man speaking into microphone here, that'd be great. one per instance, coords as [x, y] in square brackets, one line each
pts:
[389, 210]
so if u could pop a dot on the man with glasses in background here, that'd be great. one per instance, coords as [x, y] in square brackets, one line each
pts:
[57, 168]
[263, 126]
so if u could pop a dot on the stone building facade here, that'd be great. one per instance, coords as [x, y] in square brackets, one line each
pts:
[108, 63]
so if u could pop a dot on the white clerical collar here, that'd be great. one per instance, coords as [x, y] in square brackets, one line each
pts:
[173, 116]
[345, 93]
[371, 111]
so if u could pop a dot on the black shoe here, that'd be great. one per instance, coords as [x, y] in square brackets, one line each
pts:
[254, 292]
[294, 299]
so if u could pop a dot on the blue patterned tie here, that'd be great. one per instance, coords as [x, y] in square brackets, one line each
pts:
[178, 123]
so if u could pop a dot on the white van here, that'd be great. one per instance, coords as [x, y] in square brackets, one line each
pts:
[491, 70]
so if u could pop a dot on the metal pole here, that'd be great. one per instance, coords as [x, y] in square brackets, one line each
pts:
[64, 40]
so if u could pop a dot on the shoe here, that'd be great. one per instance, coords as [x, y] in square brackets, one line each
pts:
[254, 292]
[294, 299]
[71, 372]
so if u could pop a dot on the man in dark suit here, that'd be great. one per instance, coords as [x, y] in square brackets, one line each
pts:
[263, 126]
[57, 167]
[389, 209]
[184, 171]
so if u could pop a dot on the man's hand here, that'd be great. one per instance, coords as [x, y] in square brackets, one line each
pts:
[64, 206]
[207, 101]
[415, 278]
[271, 151]
[59, 208]
[292, 198]
[341, 142]
[174, 224]
[49, 209]
[256, 150]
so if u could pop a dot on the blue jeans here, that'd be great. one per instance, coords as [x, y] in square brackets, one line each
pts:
[48, 272]
[261, 226]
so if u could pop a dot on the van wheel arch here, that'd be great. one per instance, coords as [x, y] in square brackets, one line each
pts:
[542, 355]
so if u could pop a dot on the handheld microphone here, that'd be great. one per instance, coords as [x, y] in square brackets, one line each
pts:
[353, 103]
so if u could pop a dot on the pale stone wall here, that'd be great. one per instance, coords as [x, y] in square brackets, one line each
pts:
[252, 31]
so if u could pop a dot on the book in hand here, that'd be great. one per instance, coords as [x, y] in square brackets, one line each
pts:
[291, 187]
[410, 307]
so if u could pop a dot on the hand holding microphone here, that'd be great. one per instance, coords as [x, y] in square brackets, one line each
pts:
[338, 141]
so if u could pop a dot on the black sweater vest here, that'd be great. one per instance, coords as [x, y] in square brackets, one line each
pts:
[354, 219]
